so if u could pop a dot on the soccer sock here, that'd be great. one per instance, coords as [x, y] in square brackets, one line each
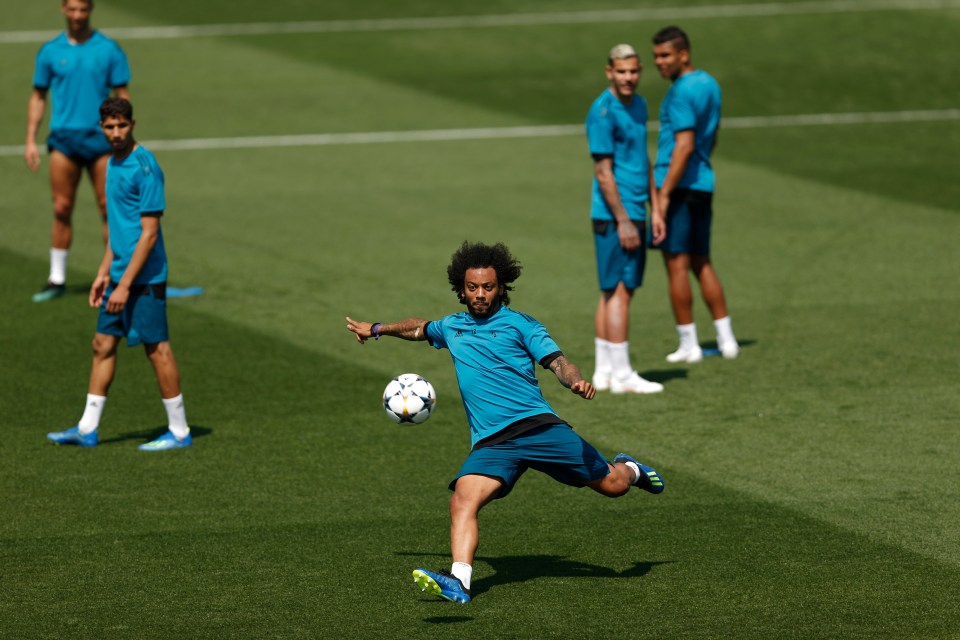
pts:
[724, 328]
[688, 335]
[177, 416]
[620, 359]
[603, 365]
[463, 572]
[92, 413]
[636, 470]
[58, 266]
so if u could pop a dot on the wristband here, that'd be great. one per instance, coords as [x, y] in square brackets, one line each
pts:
[375, 330]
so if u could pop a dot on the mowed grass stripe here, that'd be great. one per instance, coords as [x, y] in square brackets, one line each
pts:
[502, 20]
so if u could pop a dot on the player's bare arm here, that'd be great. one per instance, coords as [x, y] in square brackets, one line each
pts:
[569, 376]
[35, 109]
[626, 229]
[682, 150]
[409, 329]
[150, 226]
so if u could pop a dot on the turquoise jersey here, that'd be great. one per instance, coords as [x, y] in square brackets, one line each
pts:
[693, 102]
[620, 131]
[134, 189]
[81, 77]
[494, 359]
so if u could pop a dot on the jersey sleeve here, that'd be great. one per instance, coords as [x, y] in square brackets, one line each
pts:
[119, 68]
[152, 199]
[600, 131]
[683, 115]
[42, 74]
[434, 332]
[537, 341]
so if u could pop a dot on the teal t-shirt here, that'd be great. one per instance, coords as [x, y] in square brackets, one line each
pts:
[494, 359]
[134, 189]
[692, 102]
[80, 77]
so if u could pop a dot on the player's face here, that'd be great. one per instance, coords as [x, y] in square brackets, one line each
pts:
[670, 61]
[481, 291]
[119, 132]
[77, 13]
[624, 75]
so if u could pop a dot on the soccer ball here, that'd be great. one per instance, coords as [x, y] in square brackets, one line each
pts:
[409, 399]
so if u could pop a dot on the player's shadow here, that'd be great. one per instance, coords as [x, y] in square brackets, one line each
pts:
[664, 375]
[711, 348]
[146, 435]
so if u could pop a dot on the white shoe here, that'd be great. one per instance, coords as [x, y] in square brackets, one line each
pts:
[686, 354]
[634, 384]
[601, 381]
[729, 350]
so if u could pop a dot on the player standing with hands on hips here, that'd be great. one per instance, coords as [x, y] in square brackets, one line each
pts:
[617, 136]
[512, 428]
[689, 121]
[130, 287]
[80, 66]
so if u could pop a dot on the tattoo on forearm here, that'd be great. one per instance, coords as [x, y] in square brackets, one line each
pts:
[567, 372]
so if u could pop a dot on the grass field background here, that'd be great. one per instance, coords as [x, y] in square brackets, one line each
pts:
[813, 485]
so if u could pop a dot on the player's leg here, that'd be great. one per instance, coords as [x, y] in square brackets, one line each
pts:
[471, 494]
[98, 176]
[623, 378]
[165, 367]
[678, 267]
[102, 372]
[713, 295]
[64, 177]
[602, 368]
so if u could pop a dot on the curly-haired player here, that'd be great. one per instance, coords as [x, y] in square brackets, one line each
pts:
[512, 428]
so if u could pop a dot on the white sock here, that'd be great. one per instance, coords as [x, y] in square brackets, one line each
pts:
[58, 266]
[603, 364]
[92, 413]
[620, 359]
[463, 572]
[724, 328]
[636, 470]
[688, 336]
[176, 416]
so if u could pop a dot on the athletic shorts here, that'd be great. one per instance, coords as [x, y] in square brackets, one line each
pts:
[614, 264]
[555, 450]
[84, 147]
[142, 320]
[688, 223]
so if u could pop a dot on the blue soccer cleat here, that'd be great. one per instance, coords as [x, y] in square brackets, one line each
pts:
[50, 292]
[649, 479]
[442, 583]
[73, 436]
[166, 442]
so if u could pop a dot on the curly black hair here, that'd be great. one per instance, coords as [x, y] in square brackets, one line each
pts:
[480, 256]
[116, 108]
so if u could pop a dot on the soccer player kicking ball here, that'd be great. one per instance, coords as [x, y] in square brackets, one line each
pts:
[130, 287]
[512, 428]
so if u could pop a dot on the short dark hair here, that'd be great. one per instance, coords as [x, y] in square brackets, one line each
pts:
[480, 256]
[116, 108]
[673, 34]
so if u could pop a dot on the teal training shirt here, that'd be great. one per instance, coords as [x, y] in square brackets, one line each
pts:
[135, 188]
[80, 77]
[494, 359]
[693, 102]
[620, 131]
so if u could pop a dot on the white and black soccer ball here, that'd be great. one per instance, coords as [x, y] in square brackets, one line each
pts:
[409, 399]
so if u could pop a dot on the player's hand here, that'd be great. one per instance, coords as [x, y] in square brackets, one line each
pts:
[31, 154]
[363, 330]
[658, 226]
[629, 235]
[96, 291]
[118, 299]
[584, 389]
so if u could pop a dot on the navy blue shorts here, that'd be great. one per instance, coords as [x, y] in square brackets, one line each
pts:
[142, 320]
[689, 218]
[614, 264]
[84, 147]
[555, 450]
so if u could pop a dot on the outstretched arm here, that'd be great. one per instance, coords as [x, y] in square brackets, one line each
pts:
[409, 329]
[569, 376]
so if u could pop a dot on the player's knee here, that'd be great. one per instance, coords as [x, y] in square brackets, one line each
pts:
[103, 347]
[63, 209]
[160, 352]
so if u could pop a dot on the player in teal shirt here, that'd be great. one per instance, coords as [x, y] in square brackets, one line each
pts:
[130, 287]
[79, 68]
[512, 428]
[689, 120]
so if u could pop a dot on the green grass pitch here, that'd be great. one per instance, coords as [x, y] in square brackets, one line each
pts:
[812, 485]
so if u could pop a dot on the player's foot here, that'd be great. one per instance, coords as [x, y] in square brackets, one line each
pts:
[167, 441]
[634, 384]
[649, 479]
[50, 292]
[73, 436]
[601, 381]
[686, 354]
[729, 350]
[442, 584]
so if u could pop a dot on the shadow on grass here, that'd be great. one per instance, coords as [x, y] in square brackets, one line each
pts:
[146, 435]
